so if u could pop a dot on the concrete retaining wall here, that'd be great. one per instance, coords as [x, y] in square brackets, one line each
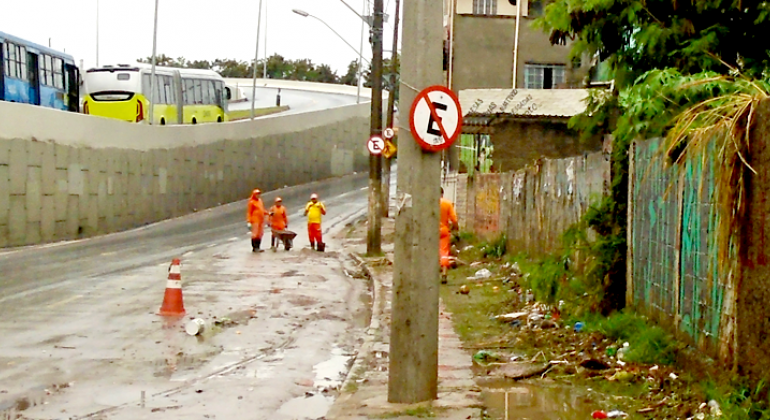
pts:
[66, 176]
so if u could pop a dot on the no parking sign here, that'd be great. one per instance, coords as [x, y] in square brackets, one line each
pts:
[436, 118]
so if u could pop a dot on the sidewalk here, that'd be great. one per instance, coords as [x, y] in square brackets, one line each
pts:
[364, 393]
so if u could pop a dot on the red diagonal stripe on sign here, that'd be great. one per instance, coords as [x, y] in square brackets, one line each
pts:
[433, 113]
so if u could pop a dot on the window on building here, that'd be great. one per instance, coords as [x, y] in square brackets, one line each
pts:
[536, 8]
[484, 7]
[544, 76]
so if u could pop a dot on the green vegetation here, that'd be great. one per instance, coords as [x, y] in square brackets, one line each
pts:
[243, 114]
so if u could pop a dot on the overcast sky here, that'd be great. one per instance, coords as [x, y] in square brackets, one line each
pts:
[194, 29]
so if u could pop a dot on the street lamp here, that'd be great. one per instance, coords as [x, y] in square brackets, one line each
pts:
[256, 58]
[359, 51]
[154, 60]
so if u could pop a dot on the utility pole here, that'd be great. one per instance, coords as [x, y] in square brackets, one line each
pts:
[374, 234]
[413, 372]
[154, 61]
[394, 59]
[256, 58]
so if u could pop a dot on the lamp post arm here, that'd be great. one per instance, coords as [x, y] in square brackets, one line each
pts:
[354, 11]
[340, 37]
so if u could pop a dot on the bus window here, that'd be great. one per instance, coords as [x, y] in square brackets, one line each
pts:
[160, 93]
[168, 87]
[13, 61]
[212, 93]
[198, 92]
[58, 73]
[45, 70]
[4, 54]
[204, 92]
[21, 58]
[189, 92]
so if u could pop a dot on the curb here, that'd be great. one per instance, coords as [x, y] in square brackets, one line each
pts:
[365, 351]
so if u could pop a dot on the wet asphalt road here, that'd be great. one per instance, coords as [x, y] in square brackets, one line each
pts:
[80, 338]
[299, 101]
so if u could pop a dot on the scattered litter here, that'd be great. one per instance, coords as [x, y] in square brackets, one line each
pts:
[522, 370]
[673, 376]
[578, 327]
[195, 327]
[476, 263]
[614, 414]
[464, 289]
[598, 414]
[225, 322]
[714, 408]
[652, 407]
[484, 357]
[623, 352]
[481, 274]
[512, 316]
[468, 248]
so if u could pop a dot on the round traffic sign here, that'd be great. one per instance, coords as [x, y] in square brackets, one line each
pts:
[388, 133]
[375, 145]
[436, 118]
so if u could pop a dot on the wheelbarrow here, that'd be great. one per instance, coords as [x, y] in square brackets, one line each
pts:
[285, 236]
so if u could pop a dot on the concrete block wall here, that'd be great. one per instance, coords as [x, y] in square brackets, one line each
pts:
[65, 176]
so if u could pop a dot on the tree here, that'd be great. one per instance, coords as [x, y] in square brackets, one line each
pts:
[232, 68]
[325, 74]
[351, 77]
[199, 64]
[635, 36]
[164, 61]
[278, 67]
[390, 81]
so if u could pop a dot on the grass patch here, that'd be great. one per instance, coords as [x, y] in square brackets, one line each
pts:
[648, 343]
[243, 114]
[471, 313]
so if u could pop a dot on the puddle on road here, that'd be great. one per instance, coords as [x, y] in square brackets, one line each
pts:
[508, 400]
[307, 408]
[331, 373]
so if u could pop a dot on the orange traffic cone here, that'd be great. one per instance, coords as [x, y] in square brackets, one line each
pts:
[172, 301]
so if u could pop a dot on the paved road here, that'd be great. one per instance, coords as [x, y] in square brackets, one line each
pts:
[81, 338]
[298, 101]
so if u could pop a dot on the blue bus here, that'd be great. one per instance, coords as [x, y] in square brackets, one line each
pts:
[37, 75]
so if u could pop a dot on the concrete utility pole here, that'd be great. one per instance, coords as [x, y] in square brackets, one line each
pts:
[374, 234]
[414, 327]
[391, 105]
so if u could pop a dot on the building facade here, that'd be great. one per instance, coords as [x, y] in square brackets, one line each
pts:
[482, 49]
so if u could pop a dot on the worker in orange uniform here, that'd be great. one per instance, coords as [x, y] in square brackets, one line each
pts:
[448, 218]
[314, 209]
[279, 221]
[255, 219]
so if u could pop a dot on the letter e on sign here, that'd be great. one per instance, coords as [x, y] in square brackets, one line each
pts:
[436, 118]
[376, 145]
